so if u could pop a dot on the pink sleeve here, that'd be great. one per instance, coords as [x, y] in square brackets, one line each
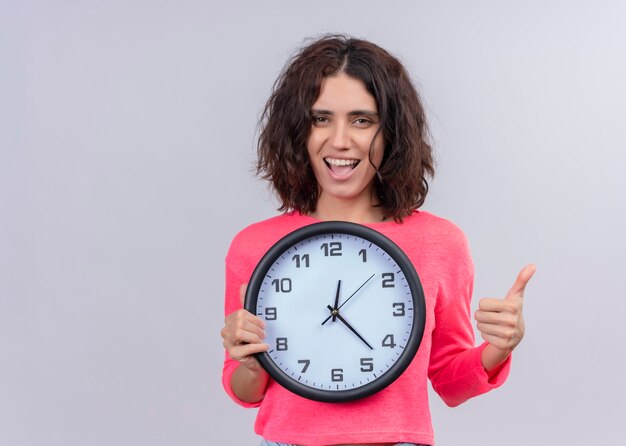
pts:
[455, 368]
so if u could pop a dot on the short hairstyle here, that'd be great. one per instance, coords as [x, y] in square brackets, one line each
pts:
[402, 179]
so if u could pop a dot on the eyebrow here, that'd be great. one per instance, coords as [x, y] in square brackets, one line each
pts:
[351, 113]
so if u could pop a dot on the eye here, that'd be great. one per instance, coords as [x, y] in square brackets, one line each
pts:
[363, 122]
[319, 120]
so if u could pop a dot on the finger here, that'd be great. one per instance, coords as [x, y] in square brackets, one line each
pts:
[250, 333]
[243, 351]
[497, 330]
[517, 290]
[239, 317]
[242, 337]
[239, 329]
[498, 305]
[250, 362]
[490, 317]
[242, 293]
[242, 329]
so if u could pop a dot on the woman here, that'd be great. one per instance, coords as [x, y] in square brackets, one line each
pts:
[344, 138]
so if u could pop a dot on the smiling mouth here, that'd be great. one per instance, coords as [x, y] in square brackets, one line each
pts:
[341, 166]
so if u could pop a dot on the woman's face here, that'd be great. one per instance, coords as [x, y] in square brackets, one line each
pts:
[345, 122]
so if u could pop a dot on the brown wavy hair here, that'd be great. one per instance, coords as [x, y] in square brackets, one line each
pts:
[402, 179]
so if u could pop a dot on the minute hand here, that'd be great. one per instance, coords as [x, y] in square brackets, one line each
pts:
[345, 322]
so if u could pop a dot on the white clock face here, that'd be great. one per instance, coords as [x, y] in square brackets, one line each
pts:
[339, 311]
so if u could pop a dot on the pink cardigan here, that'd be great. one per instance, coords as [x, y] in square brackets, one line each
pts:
[447, 354]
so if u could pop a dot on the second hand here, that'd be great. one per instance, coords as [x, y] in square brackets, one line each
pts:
[350, 297]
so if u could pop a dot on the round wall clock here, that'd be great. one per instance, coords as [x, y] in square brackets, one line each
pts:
[343, 308]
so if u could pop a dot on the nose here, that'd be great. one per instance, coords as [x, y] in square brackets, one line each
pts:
[340, 137]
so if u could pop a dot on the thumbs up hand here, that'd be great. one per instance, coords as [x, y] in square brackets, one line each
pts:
[500, 321]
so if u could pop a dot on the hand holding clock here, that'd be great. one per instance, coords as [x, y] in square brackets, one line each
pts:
[501, 323]
[243, 335]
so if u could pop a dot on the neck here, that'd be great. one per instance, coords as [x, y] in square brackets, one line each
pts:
[329, 209]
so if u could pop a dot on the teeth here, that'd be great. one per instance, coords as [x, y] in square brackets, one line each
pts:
[336, 162]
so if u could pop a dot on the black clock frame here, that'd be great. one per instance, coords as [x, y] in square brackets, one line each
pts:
[417, 293]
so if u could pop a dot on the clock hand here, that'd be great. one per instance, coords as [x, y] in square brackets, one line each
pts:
[336, 300]
[357, 290]
[335, 313]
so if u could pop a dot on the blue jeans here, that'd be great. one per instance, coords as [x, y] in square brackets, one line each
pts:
[273, 443]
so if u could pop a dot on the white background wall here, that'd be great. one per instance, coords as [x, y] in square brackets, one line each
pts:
[126, 148]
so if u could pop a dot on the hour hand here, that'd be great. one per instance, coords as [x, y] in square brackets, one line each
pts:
[335, 309]
[335, 313]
